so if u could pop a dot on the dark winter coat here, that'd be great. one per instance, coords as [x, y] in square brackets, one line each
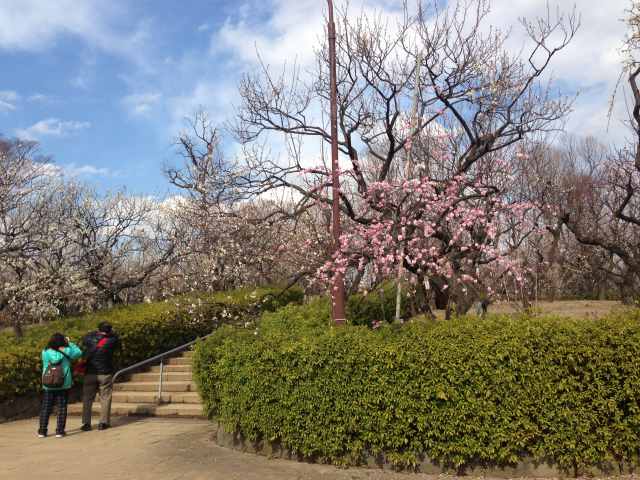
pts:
[99, 348]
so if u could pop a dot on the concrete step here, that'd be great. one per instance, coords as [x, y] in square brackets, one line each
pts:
[166, 377]
[179, 361]
[171, 410]
[171, 368]
[187, 353]
[151, 397]
[153, 387]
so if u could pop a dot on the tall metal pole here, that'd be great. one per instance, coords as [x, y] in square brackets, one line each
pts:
[408, 173]
[337, 290]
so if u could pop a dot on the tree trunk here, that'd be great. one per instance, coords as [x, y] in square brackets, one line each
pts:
[464, 304]
[526, 302]
[441, 295]
[448, 310]
[420, 303]
[355, 284]
[17, 328]
[554, 267]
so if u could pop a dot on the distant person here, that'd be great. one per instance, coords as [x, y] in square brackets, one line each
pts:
[99, 347]
[482, 307]
[56, 381]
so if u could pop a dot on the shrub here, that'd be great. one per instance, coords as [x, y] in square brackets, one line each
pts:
[145, 330]
[378, 305]
[461, 392]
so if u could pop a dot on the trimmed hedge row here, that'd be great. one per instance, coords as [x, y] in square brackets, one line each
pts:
[462, 393]
[145, 330]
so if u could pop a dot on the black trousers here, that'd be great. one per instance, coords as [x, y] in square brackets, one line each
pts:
[51, 397]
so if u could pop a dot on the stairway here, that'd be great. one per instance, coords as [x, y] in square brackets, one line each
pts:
[138, 395]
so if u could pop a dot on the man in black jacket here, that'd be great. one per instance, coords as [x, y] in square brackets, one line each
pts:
[98, 347]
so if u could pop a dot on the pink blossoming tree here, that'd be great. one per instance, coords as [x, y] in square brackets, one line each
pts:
[439, 213]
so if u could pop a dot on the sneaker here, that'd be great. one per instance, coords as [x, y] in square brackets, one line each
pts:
[61, 435]
[103, 426]
[42, 435]
[86, 427]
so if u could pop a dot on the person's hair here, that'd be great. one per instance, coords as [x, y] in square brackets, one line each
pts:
[105, 327]
[56, 341]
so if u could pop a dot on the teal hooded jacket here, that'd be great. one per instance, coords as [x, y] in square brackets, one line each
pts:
[48, 355]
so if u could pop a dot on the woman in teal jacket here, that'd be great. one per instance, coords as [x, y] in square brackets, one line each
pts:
[59, 349]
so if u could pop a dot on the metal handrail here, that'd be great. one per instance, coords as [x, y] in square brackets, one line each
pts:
[154, 359]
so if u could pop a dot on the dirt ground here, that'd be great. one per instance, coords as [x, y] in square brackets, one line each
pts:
[565, 308]
[569, 308]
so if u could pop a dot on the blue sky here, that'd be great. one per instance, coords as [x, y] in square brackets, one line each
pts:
[105, 91]
[105, 86]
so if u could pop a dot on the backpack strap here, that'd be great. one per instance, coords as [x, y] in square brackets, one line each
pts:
[88, 355]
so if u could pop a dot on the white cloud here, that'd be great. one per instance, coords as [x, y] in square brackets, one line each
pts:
[51, 127]
[50, 169]
[594, 53]
[141, 103]
[9, 95]
[284, 31]
[38, 98]
[172, 203]
[280, 31]
[80, 81]
[214, 98]
[85, 74]
[590, 64]
[291, 32]
[291, 35]
[36, 25]
[73, 170]
[8, 100]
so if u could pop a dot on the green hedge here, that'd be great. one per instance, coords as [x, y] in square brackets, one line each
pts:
[145, 330]
[463, 392]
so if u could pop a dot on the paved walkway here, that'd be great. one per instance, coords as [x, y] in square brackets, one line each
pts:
[158, 449]
[152, 448]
